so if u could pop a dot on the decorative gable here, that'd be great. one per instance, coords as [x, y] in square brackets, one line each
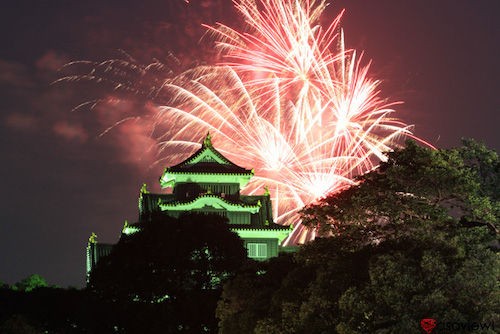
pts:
[207, 165]
[207, 155]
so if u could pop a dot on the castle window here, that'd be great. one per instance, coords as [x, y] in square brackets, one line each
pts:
[257, 250]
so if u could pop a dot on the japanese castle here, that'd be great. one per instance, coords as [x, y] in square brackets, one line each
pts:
[208, 182]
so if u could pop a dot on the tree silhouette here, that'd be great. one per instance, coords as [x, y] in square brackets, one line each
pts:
[413, 239]
[30, 283]
[171, 267]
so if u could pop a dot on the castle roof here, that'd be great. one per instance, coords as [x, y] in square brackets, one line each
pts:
[211, 200]
[208, 160]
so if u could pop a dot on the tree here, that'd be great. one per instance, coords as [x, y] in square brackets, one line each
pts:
[172, 267]
[48, 310]
[294, 293]
[30, 283]
[430, 217]
[3, 285]
[17, 325]
[412, 240]
[247, 298]
[414, 188]
[451, 277]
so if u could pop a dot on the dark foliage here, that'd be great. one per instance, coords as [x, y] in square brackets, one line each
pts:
[166, 278]
[414, 238]
[168, 258]
[173, 269]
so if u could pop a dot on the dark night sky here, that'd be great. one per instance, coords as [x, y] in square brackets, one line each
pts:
[62, 181]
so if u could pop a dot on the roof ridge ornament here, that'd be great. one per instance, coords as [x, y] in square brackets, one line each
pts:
[266, 191]
[93, 238]
[207, 142]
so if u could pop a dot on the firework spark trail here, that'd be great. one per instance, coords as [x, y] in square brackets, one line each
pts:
[124, 76]
[288, 99]
[299, 171]
[284, 45]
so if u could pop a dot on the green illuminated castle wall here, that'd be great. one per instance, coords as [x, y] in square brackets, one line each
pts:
[208, 182]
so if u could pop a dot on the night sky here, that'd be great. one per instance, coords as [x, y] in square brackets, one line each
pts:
[62, 181]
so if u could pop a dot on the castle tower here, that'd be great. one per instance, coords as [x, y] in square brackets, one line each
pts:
[209, 182]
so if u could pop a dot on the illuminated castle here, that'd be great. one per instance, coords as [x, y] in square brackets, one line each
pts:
[208, 182]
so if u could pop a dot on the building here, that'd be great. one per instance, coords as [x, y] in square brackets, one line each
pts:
[209, 182]
[95, 251]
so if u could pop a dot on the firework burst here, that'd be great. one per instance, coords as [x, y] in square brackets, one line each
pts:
[289, 99]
